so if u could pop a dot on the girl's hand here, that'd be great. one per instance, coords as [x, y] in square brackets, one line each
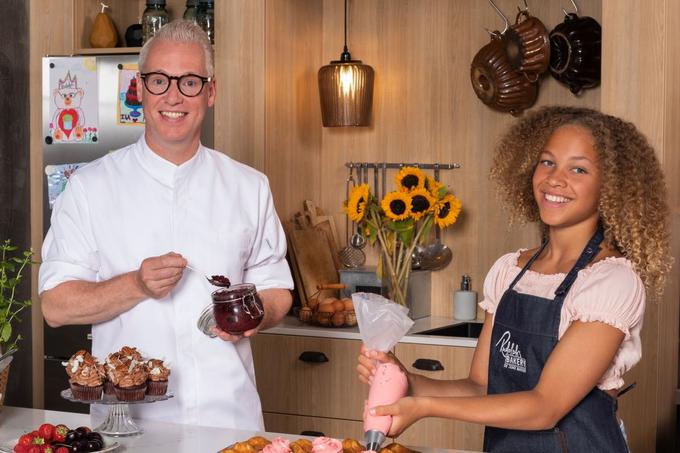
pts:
[404, 413]
[367, 361]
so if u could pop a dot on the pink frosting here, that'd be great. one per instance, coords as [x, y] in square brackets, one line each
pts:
[326, 445]
[278, 445]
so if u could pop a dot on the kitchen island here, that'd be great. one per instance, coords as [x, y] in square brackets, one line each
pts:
[158, 436]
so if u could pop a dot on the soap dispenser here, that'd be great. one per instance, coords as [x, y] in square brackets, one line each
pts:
[465, 301]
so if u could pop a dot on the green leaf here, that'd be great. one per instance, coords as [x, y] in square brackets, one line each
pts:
[442, 191]
[5, 333]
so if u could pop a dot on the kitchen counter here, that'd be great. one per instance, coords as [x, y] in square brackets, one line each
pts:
[293, 326]
[158, 436]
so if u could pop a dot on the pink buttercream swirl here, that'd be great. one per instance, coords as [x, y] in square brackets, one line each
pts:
[278, 445]
[326, 445]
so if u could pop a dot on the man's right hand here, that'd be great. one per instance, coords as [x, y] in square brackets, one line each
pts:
[158, 275]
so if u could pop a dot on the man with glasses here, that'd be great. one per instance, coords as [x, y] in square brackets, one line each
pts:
[128, 224]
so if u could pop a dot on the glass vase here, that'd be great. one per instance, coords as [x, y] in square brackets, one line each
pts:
[395, 283]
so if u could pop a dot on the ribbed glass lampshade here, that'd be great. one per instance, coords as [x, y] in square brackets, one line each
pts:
[346, 92]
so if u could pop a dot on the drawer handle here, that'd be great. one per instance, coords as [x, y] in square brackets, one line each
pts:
[312, 434]
[313, 357]
[428, 365]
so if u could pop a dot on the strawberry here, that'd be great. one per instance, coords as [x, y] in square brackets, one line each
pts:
[26, 439]
[33, 449]
[47, 448]
[38, 440]
[46, 431]
[62, 450]
[60, 432]
[18, 448]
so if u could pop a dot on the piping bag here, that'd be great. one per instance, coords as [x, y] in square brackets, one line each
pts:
[382, 323]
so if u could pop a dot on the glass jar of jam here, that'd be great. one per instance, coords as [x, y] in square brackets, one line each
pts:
[234, 310]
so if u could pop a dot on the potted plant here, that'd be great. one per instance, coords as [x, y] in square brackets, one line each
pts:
[13, 264]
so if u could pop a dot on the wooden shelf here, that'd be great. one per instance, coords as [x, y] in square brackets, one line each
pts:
[107, 51]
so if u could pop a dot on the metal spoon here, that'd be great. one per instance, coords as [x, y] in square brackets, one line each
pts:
[215, 280]
[435, 256]
[350, 256]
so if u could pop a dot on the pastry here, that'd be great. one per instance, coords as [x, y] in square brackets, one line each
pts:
[86, 376]
[157, 380]
[278, 445]
[258, 442]
[301, 446]
[326, 445]
[130, 380]
[352, 446]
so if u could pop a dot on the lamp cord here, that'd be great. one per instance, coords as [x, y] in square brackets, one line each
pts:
[345, 56]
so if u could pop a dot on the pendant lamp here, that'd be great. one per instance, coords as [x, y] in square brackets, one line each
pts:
[346, 90]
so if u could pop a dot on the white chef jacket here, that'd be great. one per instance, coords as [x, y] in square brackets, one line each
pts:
[218, 213]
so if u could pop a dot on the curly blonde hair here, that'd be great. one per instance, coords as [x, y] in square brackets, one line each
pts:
[633, 208]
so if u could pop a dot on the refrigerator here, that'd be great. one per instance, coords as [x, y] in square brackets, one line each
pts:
[89, 108]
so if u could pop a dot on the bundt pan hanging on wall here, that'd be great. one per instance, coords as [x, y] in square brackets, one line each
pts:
[497, 84]
[575, 52]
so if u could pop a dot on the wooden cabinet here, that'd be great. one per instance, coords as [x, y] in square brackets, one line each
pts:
[288, 384]
[328, 397]
[435, 432]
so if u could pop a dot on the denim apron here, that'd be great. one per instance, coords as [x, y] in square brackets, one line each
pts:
[524, 334]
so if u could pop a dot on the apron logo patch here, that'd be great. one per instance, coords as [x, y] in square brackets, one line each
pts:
[512, 354]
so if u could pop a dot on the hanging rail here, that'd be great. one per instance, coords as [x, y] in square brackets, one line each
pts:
[402, 164]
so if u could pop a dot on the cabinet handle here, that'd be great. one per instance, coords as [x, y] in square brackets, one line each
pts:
[312, 434]
[313, 357]
[428, 365]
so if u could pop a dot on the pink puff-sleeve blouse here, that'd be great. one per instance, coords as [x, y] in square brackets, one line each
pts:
[609, 291]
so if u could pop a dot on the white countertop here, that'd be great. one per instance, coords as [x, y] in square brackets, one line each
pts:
[293, 326]
[158, 437]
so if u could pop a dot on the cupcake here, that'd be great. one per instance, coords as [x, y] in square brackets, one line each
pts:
[86, 376]
[112, 361]
[278, 445]
[129, 380]
[157, 381]
[326, 445]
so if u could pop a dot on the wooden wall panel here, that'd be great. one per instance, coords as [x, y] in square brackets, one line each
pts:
[640, 79]
[294, 157]
[240, 72]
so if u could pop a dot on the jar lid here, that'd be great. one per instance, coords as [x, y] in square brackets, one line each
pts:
[192, 2]
[208, 2]
[155, 2]
[207, 321]
[234, 292]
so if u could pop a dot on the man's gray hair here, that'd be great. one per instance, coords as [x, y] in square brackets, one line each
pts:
[181, 31]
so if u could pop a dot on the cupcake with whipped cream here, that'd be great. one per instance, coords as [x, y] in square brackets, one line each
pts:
[86, 376]
[157, 381]
[129, 379]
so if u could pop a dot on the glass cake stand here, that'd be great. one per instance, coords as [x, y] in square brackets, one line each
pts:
[118, 422]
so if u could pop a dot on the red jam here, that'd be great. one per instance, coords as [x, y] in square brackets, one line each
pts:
[237, 309]
[219, 280]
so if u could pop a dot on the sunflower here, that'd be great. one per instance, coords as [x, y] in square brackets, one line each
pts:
[422, 202]
[397, 205]
[447, 210]
[356, 205]
[410, 178]
[433, 186]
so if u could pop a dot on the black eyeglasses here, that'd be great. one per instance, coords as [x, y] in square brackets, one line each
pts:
[189, 85]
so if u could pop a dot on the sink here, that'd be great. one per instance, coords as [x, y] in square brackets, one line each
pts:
[464, 329]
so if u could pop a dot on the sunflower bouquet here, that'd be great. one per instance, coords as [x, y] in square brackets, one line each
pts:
[401, 221]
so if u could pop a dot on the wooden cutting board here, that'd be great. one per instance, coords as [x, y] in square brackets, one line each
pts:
[314, 259]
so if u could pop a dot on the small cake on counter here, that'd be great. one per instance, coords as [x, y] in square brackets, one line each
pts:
[130, 380]
[326, 445]
[278, 445]
[86, 376]
[157, 381]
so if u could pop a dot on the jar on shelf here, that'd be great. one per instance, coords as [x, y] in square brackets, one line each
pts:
[154, 17]
[191, 10]
[205, 17]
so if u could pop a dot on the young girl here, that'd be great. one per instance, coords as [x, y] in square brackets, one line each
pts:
[563, 320]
